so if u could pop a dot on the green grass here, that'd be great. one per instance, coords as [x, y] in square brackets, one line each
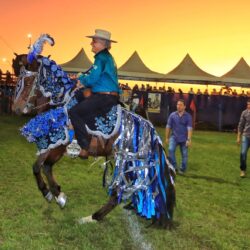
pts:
[212, 210]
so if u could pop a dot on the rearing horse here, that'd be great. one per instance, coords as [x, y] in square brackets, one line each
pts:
[142, 171]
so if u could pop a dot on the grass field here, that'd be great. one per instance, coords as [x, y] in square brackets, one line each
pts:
[212, 211]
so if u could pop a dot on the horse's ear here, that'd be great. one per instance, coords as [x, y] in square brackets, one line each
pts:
[15, 54]
[49, 56]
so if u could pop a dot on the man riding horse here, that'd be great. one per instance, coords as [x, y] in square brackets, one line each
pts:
[103, 82]
[142, 173]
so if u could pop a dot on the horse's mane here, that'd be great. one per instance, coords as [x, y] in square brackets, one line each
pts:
[54, 82]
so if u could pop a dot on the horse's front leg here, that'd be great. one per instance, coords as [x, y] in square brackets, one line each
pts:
[54, 156]
[39, 179]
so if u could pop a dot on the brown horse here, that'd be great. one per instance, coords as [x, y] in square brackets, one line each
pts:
[28, 98]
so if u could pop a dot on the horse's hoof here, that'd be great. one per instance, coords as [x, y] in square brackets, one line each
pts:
[49, 196]
[87, 219]
[61, 200]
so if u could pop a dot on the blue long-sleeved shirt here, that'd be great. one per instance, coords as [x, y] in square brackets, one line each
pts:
[102, 77]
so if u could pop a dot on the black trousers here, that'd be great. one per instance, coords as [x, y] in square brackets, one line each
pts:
[95, 105]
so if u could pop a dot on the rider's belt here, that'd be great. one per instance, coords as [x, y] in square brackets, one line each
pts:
[108, 93]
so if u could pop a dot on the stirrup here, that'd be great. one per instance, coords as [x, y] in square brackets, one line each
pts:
[73, 149]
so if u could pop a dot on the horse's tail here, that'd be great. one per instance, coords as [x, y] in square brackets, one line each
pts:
[37, 48]
[166, 177]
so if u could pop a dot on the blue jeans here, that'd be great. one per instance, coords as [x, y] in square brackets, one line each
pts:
[245, 143]
[184, 153]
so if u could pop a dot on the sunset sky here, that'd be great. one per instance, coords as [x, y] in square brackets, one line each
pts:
[215, 33]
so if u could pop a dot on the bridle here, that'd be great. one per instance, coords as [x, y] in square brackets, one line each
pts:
[24, 73]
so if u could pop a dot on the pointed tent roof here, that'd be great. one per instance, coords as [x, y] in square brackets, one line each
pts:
[239, 74]
[135, 69]
[79, 63]
[188, 71]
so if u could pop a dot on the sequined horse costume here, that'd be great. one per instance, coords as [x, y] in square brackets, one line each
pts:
[142, 174]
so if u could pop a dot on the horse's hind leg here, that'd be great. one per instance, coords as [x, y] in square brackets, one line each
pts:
[54, 156]
[102, 212]
[107, 208]
[39, 179]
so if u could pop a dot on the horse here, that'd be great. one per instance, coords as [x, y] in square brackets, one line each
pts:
[30, 96]
[30, 100]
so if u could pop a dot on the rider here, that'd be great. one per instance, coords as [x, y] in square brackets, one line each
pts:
[103, 82]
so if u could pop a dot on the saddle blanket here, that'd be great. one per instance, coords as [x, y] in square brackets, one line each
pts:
[50, 129]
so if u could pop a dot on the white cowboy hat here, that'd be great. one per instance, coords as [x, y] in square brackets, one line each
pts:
[102, 34]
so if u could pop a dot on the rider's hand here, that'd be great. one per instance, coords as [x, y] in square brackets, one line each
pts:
[79, 85]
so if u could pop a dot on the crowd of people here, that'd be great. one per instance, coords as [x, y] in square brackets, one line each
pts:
[8, 81]
[224, 90]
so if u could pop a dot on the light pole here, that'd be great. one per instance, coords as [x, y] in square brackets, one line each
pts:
[29, 36]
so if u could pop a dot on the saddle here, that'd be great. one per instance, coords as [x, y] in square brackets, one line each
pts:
[99, 146]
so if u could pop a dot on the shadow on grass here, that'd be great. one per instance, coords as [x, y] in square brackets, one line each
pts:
[171, 226]
[152, 223]
[209, 178]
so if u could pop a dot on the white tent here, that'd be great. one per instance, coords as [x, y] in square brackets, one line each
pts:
[239, 75]
[188, 72]
[135, 69]
[79, 63]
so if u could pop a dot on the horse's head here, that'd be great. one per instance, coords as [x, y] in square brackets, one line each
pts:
[27, 95]
[26, 67]
[21, 61]
[41, 81]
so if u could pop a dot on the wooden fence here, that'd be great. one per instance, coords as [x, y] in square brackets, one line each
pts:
[7, 89]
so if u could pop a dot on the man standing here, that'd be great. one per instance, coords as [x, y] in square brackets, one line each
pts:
[243, 138]
[180, 125]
